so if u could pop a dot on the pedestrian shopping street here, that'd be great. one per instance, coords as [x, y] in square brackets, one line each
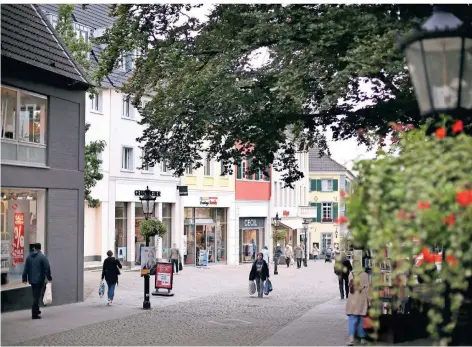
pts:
[210, 307]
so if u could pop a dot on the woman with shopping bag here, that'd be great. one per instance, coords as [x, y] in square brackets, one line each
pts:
[110, 272]
[259, 273]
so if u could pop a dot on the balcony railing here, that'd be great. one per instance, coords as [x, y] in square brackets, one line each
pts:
[307, 211]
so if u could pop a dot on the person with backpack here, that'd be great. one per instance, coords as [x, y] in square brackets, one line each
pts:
[342, 269]
[357, 303]
[110, 272]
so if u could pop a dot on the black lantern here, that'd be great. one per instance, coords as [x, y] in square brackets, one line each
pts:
[148, 201]
[276, 220]
[439, 57]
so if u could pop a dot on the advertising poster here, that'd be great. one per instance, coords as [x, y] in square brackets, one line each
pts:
[164, 276]
[148, 259]
[121, 253]
[18, 245]
[203, 261]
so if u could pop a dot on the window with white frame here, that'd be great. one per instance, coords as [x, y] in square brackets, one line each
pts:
[189, 170]
[82, 31]
[24, 126]
[164, 168]
[96, 102]
[326, 185]
[207, 167]
[100, 160]
[243, 168]
[327, 211]
[222, 168]
[127, 159]
[126, 108]
[145, 167]
[126, 62]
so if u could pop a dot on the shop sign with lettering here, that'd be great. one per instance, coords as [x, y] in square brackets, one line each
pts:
[209, 201]
[251, 223]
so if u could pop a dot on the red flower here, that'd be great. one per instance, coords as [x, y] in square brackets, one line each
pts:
[449, 220]
[341, 220]
[402, 214]
[457, 127]
[398, 127]
[464, 197]
[423, 205]
[427, 255]
[343, 193]
[410, 126]
[451, 260]
[441, 133]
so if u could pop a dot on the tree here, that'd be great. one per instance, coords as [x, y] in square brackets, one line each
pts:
[207, 96]
[79, 49]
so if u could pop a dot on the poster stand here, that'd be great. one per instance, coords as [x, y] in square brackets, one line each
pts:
[202, 260]
[164, 279]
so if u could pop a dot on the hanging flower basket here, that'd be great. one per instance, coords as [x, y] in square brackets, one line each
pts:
[152, 227]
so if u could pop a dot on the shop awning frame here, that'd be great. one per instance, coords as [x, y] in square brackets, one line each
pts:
[294, 224]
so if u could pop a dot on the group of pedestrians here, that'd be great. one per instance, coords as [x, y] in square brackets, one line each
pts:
[354, 285]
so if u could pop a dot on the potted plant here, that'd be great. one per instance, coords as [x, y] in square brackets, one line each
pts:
[152, 227]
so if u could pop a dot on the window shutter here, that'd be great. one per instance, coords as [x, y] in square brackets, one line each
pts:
[335, 185]
[240, 170]
[250, 176]
[312, 185]
[318, 185]
[318, 212]
[335, 210]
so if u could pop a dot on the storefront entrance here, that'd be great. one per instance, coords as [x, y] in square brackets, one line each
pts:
[205, 231]
[251, 238]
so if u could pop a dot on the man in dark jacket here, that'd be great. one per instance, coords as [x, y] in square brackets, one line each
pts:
[342, 269]
[36, 271]
[277, 254]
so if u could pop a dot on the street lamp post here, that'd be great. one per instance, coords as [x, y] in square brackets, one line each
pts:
[148, 200]
[306, 222]
[276, 259]
[439, 57]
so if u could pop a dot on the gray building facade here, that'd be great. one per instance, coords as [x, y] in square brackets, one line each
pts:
[42, 156]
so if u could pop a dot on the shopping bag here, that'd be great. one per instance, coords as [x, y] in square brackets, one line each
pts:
[252, 287]
[180, 266]
[101, 289]
[367, 322]
[47, 299]
[267, 287]
[270, 285]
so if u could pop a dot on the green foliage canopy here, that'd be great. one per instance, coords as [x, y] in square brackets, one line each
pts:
[207, 96]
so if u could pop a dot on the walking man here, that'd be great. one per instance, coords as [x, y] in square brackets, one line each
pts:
[342, 269]
[277, 254]
[299, 255]
[36, 271]
[175, 258]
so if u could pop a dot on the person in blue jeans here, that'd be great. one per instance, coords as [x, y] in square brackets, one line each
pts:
[357, 304]
[110, 272]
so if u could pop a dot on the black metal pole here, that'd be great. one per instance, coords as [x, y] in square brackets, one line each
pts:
[146, 302]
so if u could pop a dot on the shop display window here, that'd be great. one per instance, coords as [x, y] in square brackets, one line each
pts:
[22, 225]
[249, 244]
[121, 232]
[167, 220]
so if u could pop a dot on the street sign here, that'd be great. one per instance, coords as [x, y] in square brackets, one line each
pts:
[142, 192]
[183, 190]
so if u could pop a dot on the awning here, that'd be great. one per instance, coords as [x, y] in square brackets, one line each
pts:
[296, 223]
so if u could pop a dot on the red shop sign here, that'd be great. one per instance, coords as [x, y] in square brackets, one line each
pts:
[164, 276]
[18, 245]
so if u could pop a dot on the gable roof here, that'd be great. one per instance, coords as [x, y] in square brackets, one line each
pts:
[27, 37]
[323, 163]
[93, 16]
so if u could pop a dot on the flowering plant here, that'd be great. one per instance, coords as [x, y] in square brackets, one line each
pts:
[418, 200]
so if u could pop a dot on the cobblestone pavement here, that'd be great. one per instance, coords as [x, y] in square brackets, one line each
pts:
[210, 307]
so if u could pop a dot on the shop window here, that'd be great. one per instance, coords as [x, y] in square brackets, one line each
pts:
[24, 129]
[22, 225]
[189, 217]
[121, 230]
[138, 238]
[327, 211]
[167, 220]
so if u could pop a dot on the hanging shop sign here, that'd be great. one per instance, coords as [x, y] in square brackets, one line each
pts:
[18, 246]
[286, 213]
[208, 201]
[164, 276]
